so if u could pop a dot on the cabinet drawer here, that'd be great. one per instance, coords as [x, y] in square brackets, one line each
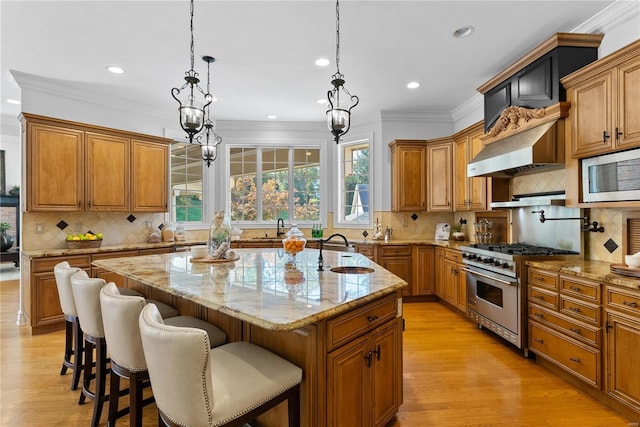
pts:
[393, 250]
[453, 255]
[366, 250]
[348, 326]
[542, 279]
[153, 251]
[109, 255]
[580, 310]
[626, 300]
[584, 290]
[577, 358]
[47, 264]
[588, 334]
[543, 297]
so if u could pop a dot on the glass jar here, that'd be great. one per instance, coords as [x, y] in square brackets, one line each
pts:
[294, 242]
[219, 235]
[180, 234]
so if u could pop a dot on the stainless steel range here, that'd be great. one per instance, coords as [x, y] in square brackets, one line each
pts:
[495, 299]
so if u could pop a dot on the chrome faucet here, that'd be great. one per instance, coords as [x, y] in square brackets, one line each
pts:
[280, 230]
[320, 260]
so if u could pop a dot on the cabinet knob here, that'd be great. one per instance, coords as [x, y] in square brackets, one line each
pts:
[618, 133]
[630, 304]
[372, 318]
[368, 358]
[539, 340]
[576, 331]
[575, 359]
[377, 352]
[605, 136]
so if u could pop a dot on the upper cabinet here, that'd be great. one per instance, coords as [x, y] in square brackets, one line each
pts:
[408, 175]
[421, 175]
[470, 193]
[605, 105]
[77, 167]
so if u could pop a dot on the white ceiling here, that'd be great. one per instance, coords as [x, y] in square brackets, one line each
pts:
[265, 50]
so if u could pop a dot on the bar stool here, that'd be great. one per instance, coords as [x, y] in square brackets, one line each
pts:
[224, 386]
[120, 315]
[73, 349]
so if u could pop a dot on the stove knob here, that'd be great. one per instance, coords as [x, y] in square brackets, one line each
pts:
[497, 263]
[488, 261]
[506, 265]
[465, 256]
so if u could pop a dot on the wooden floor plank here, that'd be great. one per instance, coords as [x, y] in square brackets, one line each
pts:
[454, 375]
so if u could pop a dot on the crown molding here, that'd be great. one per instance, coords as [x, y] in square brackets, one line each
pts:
[610, 18]
[470, 106]
[415, 116]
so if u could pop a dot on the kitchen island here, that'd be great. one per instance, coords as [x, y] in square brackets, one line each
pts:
[343, 330]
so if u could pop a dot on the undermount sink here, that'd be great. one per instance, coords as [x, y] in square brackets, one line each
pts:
[350, 269]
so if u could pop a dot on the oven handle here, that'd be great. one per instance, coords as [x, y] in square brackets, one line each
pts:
[487, 276]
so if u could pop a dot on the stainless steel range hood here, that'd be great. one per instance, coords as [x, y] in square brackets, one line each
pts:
[529, 151]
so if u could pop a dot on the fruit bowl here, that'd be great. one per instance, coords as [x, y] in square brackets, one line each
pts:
[83, 240]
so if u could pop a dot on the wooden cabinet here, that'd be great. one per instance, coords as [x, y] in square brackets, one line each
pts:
[366, 250]
[424, 271]
[110, 276]
[397, 259]
[364, 372]
[622, 381]
[408, 175]
[78, 167]
[440, 272]
[439, 185]
[469, 193]
[564, 323]
[451, 280]
[605, 107]
[41, 300]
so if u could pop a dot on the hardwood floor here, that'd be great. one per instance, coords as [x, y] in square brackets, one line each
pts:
[454, 375]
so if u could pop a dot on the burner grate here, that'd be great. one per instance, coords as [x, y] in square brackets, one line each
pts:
[522, 249]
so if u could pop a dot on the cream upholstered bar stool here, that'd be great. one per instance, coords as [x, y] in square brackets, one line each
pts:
[86, 293]
[73, 349]
[224, 386]
[120, 314]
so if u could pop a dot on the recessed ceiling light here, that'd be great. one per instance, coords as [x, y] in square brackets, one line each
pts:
[272, 117]
[413, 85]
[322, 62]
[115, 69]
[13, 101]
[465, 31]
[322, 101]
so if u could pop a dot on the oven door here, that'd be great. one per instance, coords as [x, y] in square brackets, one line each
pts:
[493, 296]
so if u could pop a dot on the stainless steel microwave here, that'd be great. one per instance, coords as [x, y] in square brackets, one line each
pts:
[611, 177]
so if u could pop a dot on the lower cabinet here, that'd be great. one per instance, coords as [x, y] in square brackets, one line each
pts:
[364, 385]
[110, 276]
[396, 259]
[451, 281]
[424, 274]
[623, 345]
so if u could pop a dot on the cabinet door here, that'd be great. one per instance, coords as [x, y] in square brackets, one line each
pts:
[461, 190]
[628, 105]
[461, 288]
[107, 172]
[441, 276]
[348, 381]
[424, 268]
[401, 267]
[149, 176]
[623, 364]
[439, 178]
[408, 178]
[591, 122]
[46, 300]
[55, 169]
[450, 291]
[385, 381]
[477, 185]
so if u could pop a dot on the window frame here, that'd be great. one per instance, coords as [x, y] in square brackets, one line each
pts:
[339, 186]
[288, 143]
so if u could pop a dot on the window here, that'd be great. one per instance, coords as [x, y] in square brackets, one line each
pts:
[353, 204]
[267, 183]
[187, 201]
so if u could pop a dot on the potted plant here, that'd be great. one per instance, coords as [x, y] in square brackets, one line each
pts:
[15, 190]
[6, 241]
[457, 232]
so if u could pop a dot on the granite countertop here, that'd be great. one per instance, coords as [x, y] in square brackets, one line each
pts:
[261, 287]
[41, 253]
[594, 270]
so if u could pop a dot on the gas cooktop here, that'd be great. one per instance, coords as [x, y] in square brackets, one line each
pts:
[520, 249]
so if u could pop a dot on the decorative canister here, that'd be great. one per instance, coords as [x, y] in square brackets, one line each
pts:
[219, 235]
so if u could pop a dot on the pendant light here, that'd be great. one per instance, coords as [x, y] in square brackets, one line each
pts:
[211, 139]
[191, 109]
[339, 113]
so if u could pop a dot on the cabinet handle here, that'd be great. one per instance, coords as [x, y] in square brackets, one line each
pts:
[576, 331]
[372, 318]
[630, 304]
[605, 136]
[575, 359]
[79, 203]
[541, 279]
[576, 309]
[618, 133]
[540, 297]
[369, 356]
[538, 340]
[538, 315]
[574, 288]
[377, 352]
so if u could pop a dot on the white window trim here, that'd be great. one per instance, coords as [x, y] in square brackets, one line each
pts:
[208, 190]
[299, 143]
[339, 186]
